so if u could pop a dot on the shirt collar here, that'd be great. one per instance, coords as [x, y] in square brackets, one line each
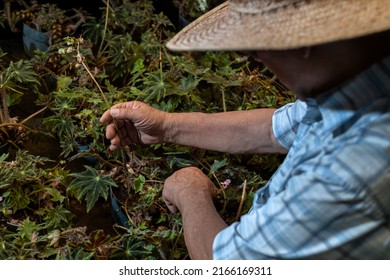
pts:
[339, 105]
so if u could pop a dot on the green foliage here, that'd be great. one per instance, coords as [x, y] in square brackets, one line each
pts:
[115, 61]
[15, 80]
[32, 204]
[90, 184]
[75, 117]
[217, 165]
[193, 9]
[24, 181]
[46, 17]
[139, 183]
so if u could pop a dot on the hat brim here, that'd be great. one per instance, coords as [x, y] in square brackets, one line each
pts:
[307, 23]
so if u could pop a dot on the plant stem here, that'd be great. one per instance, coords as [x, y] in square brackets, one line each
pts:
[81, 60]
[14, 124]
[33, 115]
[223, 99]
[5, 113]
[97, 84]
[128, 214]
[241, 201]
[105, 28]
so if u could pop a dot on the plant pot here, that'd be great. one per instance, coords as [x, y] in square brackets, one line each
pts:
[34, 40]
[85, 148]
[117, 213]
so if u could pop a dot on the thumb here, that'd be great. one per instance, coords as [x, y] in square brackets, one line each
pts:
[126, 110]
[122, 113]
[116, 113]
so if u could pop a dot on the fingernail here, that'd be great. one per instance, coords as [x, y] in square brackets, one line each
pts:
[114, 112]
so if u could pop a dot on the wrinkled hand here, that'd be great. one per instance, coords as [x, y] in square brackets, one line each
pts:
[185, 187]
[134, 122]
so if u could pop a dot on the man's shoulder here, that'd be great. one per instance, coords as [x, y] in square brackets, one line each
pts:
[362, 153]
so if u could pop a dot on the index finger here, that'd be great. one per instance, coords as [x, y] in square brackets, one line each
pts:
[106, 117]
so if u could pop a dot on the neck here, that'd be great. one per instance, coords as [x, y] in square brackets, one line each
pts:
[331, 65]
[309, 72]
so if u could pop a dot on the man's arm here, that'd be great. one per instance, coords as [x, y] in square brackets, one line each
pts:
[201, 224]
[191, 192]
[233, 132]
[237, 132]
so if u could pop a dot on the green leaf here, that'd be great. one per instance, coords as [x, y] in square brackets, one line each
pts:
[138, 66]
[17, 198]
[63, 82]
[156, 86]
[85, 113]
[91, 185]
[95, 101]
[23, 71]
[60, 124]
[179, 162]
[56, 217]
[217, 165]
[55, 194]
[139, 183]
[136, 91]
[27, 228]
[188, 84]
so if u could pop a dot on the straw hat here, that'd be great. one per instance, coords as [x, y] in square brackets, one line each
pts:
[282, 24]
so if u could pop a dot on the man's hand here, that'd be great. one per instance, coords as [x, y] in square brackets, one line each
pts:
[191, 192]
[185, 187]
[134, 122]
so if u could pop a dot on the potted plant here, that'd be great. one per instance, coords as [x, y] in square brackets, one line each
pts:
[42, 24]
[36, 221]
[15, 79]
[74, 119]
[119, 57]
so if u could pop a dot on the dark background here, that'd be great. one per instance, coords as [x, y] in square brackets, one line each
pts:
[93, 7]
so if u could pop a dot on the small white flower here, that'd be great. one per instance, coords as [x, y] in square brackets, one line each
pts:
[70, 49]
[61, 51]
[226, 183]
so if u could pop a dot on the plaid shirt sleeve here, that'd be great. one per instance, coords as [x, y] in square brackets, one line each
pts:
[335, 207]
[330, 198]
[285, 122]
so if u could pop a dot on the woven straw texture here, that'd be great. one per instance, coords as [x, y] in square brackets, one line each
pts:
[282, 24]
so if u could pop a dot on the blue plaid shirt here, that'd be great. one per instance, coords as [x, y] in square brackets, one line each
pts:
[330, 199]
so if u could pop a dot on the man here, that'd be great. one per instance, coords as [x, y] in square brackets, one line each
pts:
[330, 199]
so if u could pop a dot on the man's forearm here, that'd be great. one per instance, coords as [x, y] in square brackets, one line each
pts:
[191, 192]
[201, 223]
[238, 132]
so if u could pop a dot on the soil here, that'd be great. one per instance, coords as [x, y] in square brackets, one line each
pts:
[42, 144]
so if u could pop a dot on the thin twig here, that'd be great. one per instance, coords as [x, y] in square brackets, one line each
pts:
[81, 60]
[243, 195]
[168, 57]
[15, 124]
[178, 239]
[105, 28]
[160, 55]
[33, 115]
[5, 117]
[223, 99]
[128, 214]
